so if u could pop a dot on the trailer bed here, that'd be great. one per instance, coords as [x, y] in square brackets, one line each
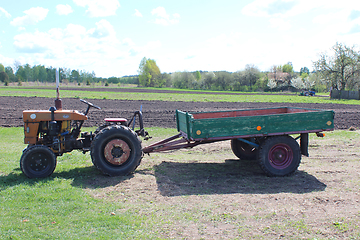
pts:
[261, 134]
[198, 126]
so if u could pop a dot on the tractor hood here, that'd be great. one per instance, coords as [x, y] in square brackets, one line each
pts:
[59, 115]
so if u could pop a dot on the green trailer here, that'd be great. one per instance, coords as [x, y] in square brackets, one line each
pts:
[268, 135]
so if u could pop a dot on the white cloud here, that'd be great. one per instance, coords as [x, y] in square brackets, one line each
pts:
[6, 61]
[74, 39]
[163, 18]
[281, 12]
[74, 30]
[232, 51]
[330, 17]
[153, 45]
[258, 8]
[32, 16]
[99, 8]
[90, 49]
[103, 29]
[288, 8]
[3, 12]
[284, 8]
[160, 12]
[128, 42]
[277, 10]
[37, 42]
[62, 9]
[137, 13]
[280, 23]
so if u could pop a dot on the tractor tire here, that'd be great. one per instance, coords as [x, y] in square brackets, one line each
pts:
[116, 150]
[106, 124]
[243, 150]
[38, 161]
[101, 127]
[279, 156]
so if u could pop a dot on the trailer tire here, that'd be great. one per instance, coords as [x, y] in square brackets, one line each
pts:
[116, 150]
[38, 161]
[279, 156]
[243, 150]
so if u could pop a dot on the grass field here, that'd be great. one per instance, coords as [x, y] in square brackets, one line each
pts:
[187, 97]
[58, 207]
[200, 193]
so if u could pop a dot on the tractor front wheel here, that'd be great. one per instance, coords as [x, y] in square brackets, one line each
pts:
[279, 156]
[116, 150]
[38, 161]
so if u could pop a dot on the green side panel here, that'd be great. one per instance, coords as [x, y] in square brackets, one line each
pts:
[226, 127]
[253, 125]
[183, 121]
[294, 122]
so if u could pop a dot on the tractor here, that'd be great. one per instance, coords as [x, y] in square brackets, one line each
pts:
[115, 147]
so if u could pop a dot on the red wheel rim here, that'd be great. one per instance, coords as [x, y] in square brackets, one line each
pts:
[117, 152]
[280, 156]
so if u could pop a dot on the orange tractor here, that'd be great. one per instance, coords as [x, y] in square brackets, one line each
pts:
[115, 148]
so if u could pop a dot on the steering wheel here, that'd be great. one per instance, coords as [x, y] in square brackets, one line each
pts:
[90, 104]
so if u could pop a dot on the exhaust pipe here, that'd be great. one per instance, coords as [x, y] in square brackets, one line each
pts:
[58, 103]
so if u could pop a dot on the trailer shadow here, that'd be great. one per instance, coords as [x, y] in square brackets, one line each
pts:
[232, 176]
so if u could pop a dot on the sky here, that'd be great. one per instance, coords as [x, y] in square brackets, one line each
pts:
[110, 37]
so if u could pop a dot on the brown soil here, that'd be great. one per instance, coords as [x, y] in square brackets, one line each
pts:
[157, 113]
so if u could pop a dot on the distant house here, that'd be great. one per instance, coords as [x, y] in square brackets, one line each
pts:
[279, 77]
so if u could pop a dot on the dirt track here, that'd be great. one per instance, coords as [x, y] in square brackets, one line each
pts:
[156, 113]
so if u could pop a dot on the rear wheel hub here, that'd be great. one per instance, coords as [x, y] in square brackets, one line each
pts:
[117, 152]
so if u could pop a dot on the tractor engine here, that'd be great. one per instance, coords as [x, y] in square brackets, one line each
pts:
[53, 128]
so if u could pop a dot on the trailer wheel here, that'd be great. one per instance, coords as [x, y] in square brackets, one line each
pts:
[116, 150]
[279, 156]
[38, 161]
[243, 150]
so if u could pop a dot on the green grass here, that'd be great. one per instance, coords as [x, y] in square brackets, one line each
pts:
[187, 97]
[57, 207]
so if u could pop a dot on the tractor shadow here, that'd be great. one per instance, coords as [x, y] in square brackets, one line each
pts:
[232, 176]
[90, 177]
[84, 177]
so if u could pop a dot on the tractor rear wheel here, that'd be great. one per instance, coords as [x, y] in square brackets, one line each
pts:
[116, 150]
[279, 156]
[243, 150]
[38, 161]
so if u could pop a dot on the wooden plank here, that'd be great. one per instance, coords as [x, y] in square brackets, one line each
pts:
[252, 112]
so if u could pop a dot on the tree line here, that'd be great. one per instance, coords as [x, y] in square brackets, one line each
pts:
[339, 69]
[282, 77]
[39, 73]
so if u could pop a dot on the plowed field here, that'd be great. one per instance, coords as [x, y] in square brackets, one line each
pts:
[157, 113]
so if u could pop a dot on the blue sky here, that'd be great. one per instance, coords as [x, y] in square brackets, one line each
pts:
[110, 37]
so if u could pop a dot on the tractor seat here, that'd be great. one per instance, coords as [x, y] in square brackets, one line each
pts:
[121, 120]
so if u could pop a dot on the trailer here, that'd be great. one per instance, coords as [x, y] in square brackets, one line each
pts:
[268, 135]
